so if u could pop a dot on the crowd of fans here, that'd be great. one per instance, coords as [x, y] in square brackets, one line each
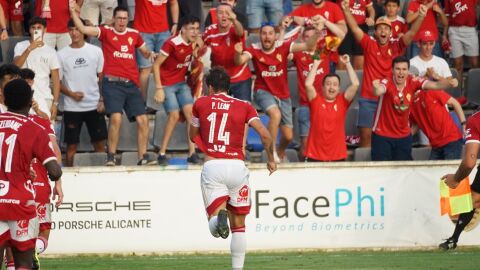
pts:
[169, 39]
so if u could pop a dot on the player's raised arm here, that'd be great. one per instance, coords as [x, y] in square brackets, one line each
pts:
[240, 57]
[351, 90]
[87, 30]
[267, 143]
[309, 81]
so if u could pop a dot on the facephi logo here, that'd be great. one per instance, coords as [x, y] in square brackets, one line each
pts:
[22, 224]
[41, 211]
[243, 194]
[4, 187]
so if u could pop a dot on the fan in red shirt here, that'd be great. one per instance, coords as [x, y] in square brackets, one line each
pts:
[429, 24]
[399, 25]
[430, 114]
[462, 32]
[328, 111]
[469, 161]
[391, 138]
[270, 58]
[379, 52]
[221, 37]
[218, 127]
[22, 140]
[13, 16]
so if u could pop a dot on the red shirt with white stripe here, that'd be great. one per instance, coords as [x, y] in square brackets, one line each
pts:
[430, 113]
[151, 16]
[378, 62]
[41, 183]
[271, 68]
[119, 52]
[223, 52]
[399, 26]
[428, 24]
[326, 139]
[393, 110]
[179, 56]
[303, 62]
[472, 129]
[358, 8]
[461, 12]
[21, 140]
[221, 119]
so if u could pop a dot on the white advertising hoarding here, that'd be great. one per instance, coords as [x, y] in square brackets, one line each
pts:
[129, 210]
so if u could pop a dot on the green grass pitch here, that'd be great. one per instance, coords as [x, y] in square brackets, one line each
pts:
[462, 258]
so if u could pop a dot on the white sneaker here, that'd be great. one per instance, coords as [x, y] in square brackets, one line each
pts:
[276, 158]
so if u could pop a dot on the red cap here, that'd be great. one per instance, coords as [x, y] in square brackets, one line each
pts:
[426, 36]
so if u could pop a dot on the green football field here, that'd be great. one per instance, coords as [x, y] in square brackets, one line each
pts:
[462, 258]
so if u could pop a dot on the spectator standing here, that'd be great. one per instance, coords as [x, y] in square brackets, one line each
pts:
[379, 52]
[258, 9]
[120, 82]
[42, 59]
[56, 32]
[212, 14]
[429, 23]
[391, 138]
[270, 58]
[399, 25]
[328, 111]
[13, 16]
[430, 114]
[82, 65]
[91, 10]
[170, 69]
[462, 32]
[152, 23]
[359, 9]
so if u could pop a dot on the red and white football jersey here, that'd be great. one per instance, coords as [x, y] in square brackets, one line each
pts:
[428, 24]
[304, 62]
[393, 110]
[378, 62]
[399, 26]
[472, 129]
[119, 52]
[21, 140]
[429, 112]
[221, 119]
[41, 183]
[223, 52]
[358, 8]
[179, 57]
[461, 12]
[151, 16]
[271, 68]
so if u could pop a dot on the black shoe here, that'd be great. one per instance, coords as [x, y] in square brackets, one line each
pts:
[35, 262]
[222, 224]
[194, 159]
[448, 244]
[162, 160]
[111, 161]
[146, 160]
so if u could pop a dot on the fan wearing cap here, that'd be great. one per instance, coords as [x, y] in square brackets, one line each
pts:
[379, 51]
[391, 137]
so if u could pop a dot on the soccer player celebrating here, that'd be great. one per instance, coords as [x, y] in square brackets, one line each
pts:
[22, 140]
[270, 59]
[472, 147]
[218, 127]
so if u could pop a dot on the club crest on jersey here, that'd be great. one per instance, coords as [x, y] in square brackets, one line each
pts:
[389, 52]
[279, 57]
[227, 40]
[130, 41]
[335, 107]
[409, 97]
[397, 28]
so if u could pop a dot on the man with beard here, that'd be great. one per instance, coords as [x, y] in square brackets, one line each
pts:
[379, 51]
[391, 138]
[271, 86]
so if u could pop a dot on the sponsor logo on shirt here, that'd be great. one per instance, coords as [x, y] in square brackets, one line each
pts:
[42, 211]
[356, 10]
[186, 63]
[272, 72]
[243, 194]
[459, 8]
[467, 134]
[123, 53]
[4, 187]
[22, 228]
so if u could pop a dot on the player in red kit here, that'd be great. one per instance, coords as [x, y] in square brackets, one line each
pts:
[270, 58]
[22, 140]
[218, 127]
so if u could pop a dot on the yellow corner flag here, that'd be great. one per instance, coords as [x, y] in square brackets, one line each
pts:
[455, 201]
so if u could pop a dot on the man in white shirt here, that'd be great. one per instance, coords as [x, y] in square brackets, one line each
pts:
[82, 64]
[429, 65]
[42, 59]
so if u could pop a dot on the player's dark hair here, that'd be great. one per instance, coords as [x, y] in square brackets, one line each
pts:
[9, 69]
[37, 20]
[188, 19]
[392, 1]
[27, 74]
[401, 59]
[18, 95]
[329, 75]
[118, 9]
[218, 79]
